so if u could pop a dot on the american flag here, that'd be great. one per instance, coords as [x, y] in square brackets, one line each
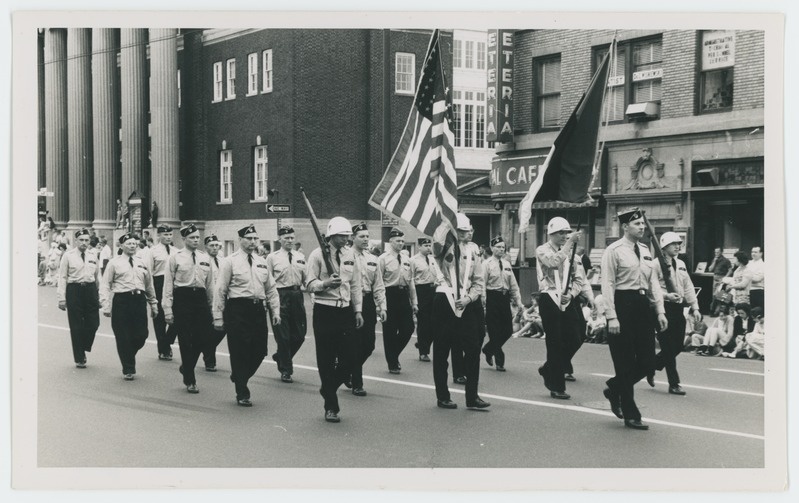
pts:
[419, 186]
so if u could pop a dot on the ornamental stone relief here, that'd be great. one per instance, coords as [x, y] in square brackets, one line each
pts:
[646, 173]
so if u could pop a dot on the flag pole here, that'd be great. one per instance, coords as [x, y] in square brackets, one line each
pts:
[612, 61]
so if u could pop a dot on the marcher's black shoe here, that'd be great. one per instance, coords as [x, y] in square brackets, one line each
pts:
[192, 388]
[489, 358]
[543, 374]
[676, 390]
[244, 402]
[615, 402]
[210, 369]
[81, 365]
[358, 391]
[650, 379]
[635, 424]
[459, 380]
[286, 377]
[478, 404]
[162, 356]
[569, 377]
[394, 370]
[424, 358]
[332, 416]
[560, 395]
[447, 404]
[500, 368]
[128, 377]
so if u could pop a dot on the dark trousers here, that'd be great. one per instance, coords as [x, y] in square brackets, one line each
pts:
[194, 324]
[564, 331]
[164, 335]
[129, 323]
[247, 336]
[632, 349]
[363, 340]
[290, 334]
[332, 327]
[499, 322]
[447, 329]
[83, 313]
[424, 317]
[671, 342]
[209, 351]
[573, 336]
[398, 327]
[757, 299]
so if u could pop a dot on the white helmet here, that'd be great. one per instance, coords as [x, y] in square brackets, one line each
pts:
[668, 238]
[339, 225]
[558, 224]
[462, 222]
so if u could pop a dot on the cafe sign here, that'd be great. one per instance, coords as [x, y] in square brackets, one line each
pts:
[512, 176]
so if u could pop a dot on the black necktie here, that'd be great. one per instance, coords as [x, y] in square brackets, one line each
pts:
[167, 249]
[216, 261]
[289, 257]
[83, 256]
[193, 258]
[338, 257]
[249, 259]
[427, 259]
[130, 259]
[674, 265]
[457, 270]
[637, 251]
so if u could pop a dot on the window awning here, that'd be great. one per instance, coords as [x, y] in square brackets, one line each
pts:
[563, 205]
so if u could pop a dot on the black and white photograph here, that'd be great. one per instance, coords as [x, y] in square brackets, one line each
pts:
[410, 251]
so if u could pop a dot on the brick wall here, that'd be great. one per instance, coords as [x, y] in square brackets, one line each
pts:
[749, 70]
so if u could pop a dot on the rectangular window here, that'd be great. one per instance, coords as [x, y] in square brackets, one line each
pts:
[480, 118]
[179, 97]
[261, 163]
[468, 119]
[231, 79]
[267, 78]
[614, 96]
[547, 85]
[469, 54]
[225, 176]
[456, 118]
[647, 68]
[252, 74]
[717, 71]
[481, 55]
[217, 81]
[457, 54]
[404, 73]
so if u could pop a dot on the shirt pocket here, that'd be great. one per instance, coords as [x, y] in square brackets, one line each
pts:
[261, 274]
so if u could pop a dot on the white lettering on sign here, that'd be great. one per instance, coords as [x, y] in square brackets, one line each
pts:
[655, 73]
[507, 75]
[718, 49]
[492, 75]
[522, 174]
[507, 39]
[508, 56]
[616, 81]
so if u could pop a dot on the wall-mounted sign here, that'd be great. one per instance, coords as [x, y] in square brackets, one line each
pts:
[513, 176]
[718, 49]
[655, 73]
[499, 92]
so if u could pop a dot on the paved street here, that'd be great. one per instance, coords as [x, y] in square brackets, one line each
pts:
[92, 418]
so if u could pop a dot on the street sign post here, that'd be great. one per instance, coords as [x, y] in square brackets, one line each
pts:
[278, 208]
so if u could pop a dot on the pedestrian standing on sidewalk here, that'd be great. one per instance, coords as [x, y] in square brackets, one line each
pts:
[374, 305]
[631, 291]
[502, 292]
[337, 312]
[126, 290]
[78, 285]
[188, 297]
[287, 267]
[672, 339]
[243, 287]
[423, 270]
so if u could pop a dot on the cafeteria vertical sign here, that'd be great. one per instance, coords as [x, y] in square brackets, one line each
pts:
[500, 86]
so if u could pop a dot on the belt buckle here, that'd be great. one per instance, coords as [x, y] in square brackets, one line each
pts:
[136, 292]
[641, 291]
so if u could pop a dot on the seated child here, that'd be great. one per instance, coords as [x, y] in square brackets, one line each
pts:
[531, 321]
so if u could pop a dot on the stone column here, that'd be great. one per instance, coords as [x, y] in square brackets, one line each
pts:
[105, 108]
[164, 116]
[79, 120]
[55, 95]
[133, 59]
[41, 178]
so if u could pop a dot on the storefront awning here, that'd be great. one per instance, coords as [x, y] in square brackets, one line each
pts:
[562, 205]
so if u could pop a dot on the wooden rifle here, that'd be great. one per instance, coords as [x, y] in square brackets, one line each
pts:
[323, 245]
[664, 265]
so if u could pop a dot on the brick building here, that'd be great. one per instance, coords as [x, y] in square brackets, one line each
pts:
[683, 134]
[215, 124]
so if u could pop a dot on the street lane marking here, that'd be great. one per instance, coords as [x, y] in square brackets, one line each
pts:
[574, 408]
[740, 372]
[707, 388]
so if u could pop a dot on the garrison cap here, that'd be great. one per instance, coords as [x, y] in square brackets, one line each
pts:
[360, 227]
[164, 228]
[82, 232]
[211, 239]
[127, 237]
[188, 229]
[285, 229]
[250, 229]
[497, 240]
[629, 215]
[424, 241]
[395, 233]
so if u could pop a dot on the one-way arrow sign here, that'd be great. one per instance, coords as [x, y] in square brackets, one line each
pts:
[278, 208]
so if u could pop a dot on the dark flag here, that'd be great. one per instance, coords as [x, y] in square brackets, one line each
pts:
[568, 169]
[419, 186]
